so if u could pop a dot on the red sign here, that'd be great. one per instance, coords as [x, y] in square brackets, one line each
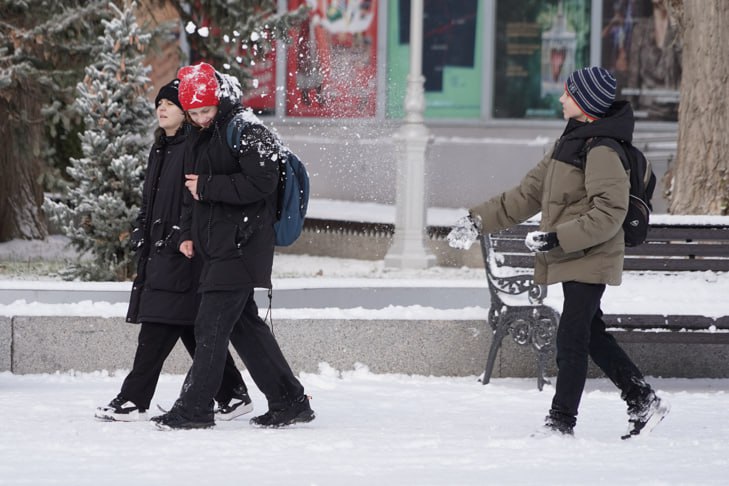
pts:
[332, 62]
[260, 93]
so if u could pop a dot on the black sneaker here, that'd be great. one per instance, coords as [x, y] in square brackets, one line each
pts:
[646, 415]
[240, 404]
[120, 410]
[553, 428]
[173, 420]
[298, 411]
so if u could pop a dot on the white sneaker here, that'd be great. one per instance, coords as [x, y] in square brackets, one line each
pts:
[120, 410]
[237, 406]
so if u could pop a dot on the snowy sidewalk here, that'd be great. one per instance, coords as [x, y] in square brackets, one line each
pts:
[370, 430]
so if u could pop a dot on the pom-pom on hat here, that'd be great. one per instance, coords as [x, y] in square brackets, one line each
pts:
[169, 92]
[198, 86]
[593, 89]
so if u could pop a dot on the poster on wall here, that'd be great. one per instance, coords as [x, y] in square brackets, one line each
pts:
[451, 62]
[642, 50]
[538, 44]
[449, 37]
[332, 63]
[260, 92]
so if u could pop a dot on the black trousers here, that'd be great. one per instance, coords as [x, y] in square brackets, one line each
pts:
[154, 345]
[233, 316]
[582, 333]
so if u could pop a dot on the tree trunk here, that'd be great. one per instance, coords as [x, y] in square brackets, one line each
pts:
[700, 175]
[21, 133]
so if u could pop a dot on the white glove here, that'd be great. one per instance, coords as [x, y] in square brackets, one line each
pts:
[464, 233]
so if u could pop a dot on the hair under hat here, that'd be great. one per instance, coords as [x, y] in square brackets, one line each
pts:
[169, 92]
[593, 89]
[198, 86]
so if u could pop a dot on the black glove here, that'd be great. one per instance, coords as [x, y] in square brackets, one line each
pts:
[541, 241]
[136, 240]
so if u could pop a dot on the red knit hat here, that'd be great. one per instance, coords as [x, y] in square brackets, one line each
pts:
[198, 86]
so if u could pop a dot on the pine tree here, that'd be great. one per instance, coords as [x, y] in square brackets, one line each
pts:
[44, 47]
[105, 192]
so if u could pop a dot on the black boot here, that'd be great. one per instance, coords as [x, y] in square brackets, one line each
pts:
[175, 420]
[556, 424]
[296, 411]
[180, 417]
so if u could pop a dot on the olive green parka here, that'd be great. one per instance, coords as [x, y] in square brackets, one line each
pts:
[583, 199]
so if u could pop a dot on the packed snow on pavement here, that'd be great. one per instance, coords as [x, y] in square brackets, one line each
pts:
[371, 429]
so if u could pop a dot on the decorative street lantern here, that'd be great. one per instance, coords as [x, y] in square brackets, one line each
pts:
[558, 54]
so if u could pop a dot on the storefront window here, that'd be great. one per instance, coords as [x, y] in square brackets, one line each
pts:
[452, 57]
[641, 48]
[538, 44]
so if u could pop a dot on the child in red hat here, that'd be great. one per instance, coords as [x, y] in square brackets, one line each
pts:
[228, 222]
[164, 294]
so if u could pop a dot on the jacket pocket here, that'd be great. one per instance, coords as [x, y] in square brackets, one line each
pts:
[156, 230]
[169, 270]
[558, 255]
[220, 239]
[246, 228]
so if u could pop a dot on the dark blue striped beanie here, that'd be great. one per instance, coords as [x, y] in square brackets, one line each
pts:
[593, 89]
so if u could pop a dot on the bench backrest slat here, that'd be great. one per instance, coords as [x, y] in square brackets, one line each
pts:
[687, 250]
[631, 264]
[687, 233]
[651, 321]
[668, 249]
[502, 245]
[675, 265]
[516, 261]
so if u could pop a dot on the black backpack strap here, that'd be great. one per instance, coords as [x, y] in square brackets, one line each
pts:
[614, 144]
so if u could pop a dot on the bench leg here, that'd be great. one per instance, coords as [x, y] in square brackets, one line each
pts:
[543, 337]
[542, 355]
[499, 335]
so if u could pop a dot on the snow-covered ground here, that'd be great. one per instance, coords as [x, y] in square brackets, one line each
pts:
[370, 430]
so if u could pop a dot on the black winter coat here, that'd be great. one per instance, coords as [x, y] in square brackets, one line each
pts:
[231, 224]
[165, 289]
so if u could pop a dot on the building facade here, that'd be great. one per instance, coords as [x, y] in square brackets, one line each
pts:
[494, 71]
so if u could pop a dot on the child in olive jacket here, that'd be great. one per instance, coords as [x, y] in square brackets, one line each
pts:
[583, 199]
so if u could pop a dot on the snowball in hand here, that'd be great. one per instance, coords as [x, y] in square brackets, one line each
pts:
[463, 234]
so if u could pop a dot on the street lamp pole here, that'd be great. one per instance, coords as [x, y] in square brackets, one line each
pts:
[408, 247]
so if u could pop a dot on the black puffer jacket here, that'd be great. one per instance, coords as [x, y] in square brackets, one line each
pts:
[165, 289]
[231, 225]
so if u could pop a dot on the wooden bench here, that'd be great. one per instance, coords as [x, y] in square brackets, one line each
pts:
[686, 255]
